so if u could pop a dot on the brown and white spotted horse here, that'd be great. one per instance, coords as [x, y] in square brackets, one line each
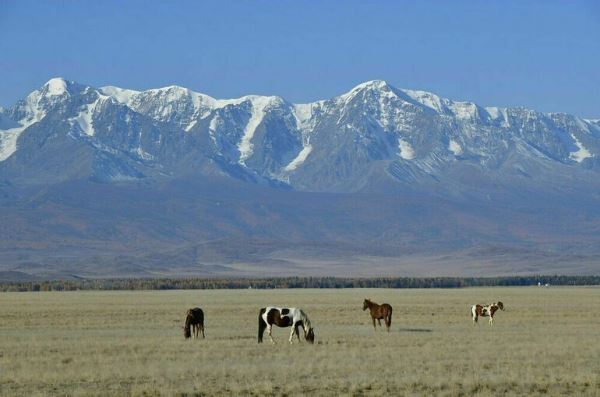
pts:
[485, 311]
[379, 312]
[284, 317]
[194, 322]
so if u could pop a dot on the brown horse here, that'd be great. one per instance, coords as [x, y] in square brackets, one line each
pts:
[194, 322]
[379, 312]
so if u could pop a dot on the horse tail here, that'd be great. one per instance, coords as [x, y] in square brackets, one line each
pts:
[201, 318]
[261, 325]
[201, 321]
[389, 317]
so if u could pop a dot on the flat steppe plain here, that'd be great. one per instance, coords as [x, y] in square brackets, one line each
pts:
[546, 342]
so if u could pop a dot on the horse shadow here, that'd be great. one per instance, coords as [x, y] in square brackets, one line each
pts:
[425, 330]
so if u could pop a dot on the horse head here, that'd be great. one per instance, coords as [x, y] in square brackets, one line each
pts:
[500, 305]
[366, 304]
[186, 332]
[310, 335]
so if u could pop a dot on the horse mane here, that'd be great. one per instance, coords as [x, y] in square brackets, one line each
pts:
[305, 320]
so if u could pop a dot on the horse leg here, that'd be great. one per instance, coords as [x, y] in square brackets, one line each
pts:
[374, 325]
[379, 321]
[270, 328]
[292, 332]
[491, 321]
[295, 330]
[202, 328]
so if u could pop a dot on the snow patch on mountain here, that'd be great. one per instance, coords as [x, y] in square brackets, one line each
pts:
[406, 150]
[8, 142]
[56, 87]
[455, 148]
[34, 111]
[190, 126]
[85, 119]
[120, 94]
[33, 114]
[143, 154]
[245, 146]
[212, 128]
[580, 154]
[300, 158]
[464, 110]
[496, 113]
[303, 113]
[428, 99]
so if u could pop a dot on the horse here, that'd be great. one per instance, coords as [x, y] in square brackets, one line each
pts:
[284, 317]
[379, 312]
[194, 322]
[486, 311]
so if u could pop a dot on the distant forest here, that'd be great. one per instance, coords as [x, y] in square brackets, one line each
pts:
[293, 282]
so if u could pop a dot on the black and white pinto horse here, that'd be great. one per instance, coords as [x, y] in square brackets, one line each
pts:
[284, 317]
[486, 311]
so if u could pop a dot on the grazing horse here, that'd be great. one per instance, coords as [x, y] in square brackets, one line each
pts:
[194, 322]
[485, 311]
[284, 317]
[379, 312]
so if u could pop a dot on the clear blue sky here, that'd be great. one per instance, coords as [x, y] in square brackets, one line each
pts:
[543, 55]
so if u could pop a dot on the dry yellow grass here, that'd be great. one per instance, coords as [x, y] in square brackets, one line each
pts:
[130, 343]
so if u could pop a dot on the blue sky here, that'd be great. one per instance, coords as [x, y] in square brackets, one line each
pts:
[543, 55]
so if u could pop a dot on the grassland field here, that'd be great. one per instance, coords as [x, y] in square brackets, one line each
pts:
[546, 342]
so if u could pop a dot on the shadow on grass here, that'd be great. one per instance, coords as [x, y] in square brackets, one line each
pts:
[414, 330]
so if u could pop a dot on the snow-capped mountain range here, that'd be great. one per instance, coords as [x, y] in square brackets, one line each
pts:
[377, 181]
[369, 137]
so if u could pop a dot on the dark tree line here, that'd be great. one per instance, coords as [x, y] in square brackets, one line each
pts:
[293, 282]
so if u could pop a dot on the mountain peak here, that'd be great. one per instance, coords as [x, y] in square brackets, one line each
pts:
[372, 84]
[121, 95]
[376, 86]
[56, 86]
[172, 89]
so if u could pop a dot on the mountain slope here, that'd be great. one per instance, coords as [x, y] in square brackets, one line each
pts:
[375, 131]
[110, 181]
